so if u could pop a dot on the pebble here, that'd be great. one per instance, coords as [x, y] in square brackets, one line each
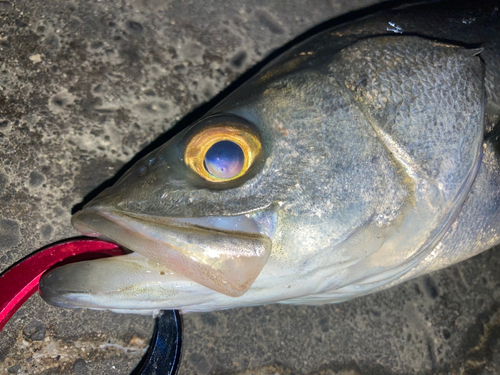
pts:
[80, 367]
[35, 330]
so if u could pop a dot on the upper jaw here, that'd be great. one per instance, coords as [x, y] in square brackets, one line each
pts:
[225, 254]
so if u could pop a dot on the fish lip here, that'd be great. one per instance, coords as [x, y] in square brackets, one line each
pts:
[227, 261]
[202, 222]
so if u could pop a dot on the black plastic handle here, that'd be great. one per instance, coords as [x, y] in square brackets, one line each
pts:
[164, 353]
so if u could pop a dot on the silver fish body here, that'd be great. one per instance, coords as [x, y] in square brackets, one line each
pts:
[377, 160]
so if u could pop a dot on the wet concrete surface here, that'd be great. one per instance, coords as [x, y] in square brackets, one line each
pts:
[84, 86]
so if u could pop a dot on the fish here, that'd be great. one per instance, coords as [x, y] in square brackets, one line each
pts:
[363, 156]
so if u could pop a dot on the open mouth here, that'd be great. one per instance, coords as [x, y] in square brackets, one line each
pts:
[225, 254]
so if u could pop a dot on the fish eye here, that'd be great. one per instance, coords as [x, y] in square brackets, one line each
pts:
[223, 151]
[224, 160]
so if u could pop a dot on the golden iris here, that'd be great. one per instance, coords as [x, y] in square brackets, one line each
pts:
[222, 152]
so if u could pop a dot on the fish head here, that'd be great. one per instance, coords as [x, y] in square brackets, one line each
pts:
[195, 205]
[313, 182]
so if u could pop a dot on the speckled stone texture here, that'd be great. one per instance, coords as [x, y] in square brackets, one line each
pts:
[84, 86]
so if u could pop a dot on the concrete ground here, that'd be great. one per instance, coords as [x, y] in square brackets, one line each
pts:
[84, 86]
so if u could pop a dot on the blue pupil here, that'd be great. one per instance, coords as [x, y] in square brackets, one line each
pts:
[224, 159]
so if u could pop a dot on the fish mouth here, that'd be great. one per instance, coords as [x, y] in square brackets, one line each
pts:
[225, 254]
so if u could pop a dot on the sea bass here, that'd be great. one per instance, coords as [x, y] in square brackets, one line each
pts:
[362, 157]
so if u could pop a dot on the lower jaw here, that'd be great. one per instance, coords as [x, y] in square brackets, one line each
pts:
[130, 283]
